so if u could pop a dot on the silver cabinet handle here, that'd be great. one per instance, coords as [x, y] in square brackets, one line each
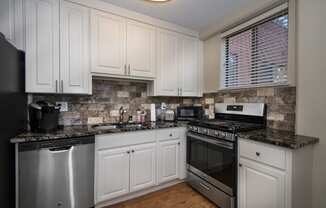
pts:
[56, 86]
[129, 69]
[125, 69]
[61, 86]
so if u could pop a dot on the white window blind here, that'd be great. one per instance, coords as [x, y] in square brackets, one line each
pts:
[258, 56]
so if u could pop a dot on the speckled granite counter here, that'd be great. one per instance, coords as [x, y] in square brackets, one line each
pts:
[81, 131]
[279, 138]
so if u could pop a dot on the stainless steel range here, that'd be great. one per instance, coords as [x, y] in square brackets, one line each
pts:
[212, 150]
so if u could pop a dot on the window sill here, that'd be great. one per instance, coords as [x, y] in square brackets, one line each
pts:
[253, 87]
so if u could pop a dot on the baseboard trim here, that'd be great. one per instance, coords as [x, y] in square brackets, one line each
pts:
[138, 194]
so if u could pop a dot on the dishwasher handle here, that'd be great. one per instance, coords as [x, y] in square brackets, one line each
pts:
[60, 149]
[56, 144]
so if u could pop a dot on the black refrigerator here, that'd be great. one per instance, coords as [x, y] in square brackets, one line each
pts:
[13, 115]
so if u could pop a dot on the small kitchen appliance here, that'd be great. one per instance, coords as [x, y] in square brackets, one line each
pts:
[44, 116]
[212, 150]
[169, 115]
[189, 113]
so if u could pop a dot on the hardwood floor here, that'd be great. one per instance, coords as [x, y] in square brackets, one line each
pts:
[178, 196]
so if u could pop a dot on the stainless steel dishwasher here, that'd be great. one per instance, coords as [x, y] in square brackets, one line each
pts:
[57, 173]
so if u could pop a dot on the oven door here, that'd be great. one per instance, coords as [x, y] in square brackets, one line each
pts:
[213, 160]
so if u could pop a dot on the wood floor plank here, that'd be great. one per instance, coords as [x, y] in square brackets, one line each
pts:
[178, 196]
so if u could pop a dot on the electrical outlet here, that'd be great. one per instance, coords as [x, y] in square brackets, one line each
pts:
[94, 120]
[63, 106]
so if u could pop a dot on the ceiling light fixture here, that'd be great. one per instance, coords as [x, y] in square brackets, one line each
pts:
[158, 1]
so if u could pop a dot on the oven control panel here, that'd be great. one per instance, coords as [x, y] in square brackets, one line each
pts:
[213, 133]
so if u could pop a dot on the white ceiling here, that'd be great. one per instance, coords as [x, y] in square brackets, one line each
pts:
[204, 16]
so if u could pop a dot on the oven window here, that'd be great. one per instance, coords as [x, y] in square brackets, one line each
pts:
[215, 161]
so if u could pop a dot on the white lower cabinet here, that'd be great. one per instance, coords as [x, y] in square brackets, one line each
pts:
[124, 170]
[169, 160]
[274, 177]
[132, 163]
[142, 166]
[113, 167]
[260, 186]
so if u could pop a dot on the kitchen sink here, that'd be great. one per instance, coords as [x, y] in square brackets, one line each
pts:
[105, 127]
[121, 126]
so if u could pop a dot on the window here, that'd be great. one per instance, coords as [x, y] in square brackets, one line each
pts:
[257, 56]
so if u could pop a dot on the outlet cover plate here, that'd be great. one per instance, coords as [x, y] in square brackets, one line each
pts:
[94, 120]
[63, 106]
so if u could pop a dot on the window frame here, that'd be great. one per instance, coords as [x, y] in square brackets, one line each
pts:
[290, 7]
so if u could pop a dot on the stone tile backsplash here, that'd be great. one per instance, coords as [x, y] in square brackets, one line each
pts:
[108, 96]
[281, 103]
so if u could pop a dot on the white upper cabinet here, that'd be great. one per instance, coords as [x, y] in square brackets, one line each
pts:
[108, 42]
[189, 67]
[42, 45]
[75, 54]
[121, 47]
[7, 19]
[57, 47]
[167, 80]
[178, 68]
[140, 49]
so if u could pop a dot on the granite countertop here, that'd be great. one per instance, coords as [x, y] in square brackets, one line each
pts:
[89, 130]
[279, 138]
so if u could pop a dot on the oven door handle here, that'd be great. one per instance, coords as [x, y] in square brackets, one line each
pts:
[223, 144]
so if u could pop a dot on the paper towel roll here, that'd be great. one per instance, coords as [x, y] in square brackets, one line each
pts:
[153, 113]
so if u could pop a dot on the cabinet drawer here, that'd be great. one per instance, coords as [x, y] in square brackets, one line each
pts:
[124, 139]
[262, 153]
[167, 134]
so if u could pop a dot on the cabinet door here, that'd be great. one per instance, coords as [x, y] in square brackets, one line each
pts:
[169, 157]
[7, 19]
[142, 170]
[108, 42]
[42, 45]
[167, 83]
[140, 49]
[260, 186]
[189, 67]
[75, 56]
[112, 173]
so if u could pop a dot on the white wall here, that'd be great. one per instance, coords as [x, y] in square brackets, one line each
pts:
[212, 62]
[311, 86]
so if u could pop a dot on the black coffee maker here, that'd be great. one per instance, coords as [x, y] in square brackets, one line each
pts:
[43, 117]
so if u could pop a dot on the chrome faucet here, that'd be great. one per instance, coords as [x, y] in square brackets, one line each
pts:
[121, 113]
